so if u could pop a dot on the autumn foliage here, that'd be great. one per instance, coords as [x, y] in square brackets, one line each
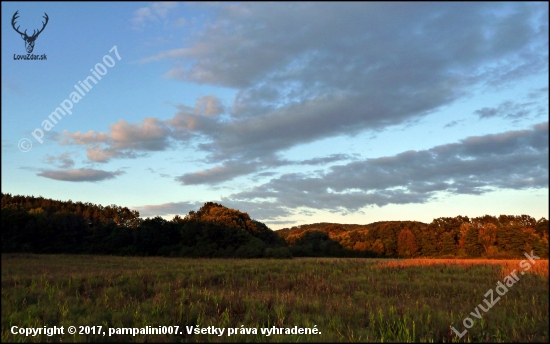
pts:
[406, 244]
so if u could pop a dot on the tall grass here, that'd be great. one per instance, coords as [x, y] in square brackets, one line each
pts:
[349, 300]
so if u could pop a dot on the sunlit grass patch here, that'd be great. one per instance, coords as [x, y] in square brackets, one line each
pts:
[539, 267]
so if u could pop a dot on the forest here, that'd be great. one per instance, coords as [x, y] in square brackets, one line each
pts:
[40, 225]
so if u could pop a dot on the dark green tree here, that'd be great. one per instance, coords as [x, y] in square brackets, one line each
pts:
[449, 244]
[428, 244]
[471, 244]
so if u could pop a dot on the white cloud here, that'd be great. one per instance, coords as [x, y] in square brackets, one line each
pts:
[123, 140]
[154, 12]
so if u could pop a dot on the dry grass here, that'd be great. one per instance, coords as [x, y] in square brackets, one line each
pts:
[540, 267]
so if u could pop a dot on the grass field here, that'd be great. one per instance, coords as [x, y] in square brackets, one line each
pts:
[348, 300]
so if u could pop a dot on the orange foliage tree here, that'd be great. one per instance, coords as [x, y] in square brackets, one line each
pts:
[406, 244]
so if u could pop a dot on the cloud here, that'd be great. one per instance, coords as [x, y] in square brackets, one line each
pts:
[359, 43]
[158, 10]
[80, 175]
[231, 169]
[62, 161]
[538, 93]
[326, 160]
[451, 124]
[131, 140]
[228, 170]
[78, 138]
[124, 140]
[141, 15]
[150, 135]
[507, 110]
[239, 167]
[162, 8]
[98, 154]
[476, 165]
[209, 106]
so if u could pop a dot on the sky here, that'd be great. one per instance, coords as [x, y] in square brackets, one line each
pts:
[295, 113]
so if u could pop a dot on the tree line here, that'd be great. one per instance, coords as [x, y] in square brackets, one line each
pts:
[40, 225]
[502, 237]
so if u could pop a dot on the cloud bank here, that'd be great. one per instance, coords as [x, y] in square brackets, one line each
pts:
[478, 164]
[348, 68]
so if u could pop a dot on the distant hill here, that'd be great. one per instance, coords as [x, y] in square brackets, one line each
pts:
[328, 226]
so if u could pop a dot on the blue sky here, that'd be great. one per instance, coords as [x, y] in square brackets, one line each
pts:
[293, 112]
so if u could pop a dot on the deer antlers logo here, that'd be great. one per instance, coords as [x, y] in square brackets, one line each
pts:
[29, 40]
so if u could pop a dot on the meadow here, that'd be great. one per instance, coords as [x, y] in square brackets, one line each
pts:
[345, 299]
